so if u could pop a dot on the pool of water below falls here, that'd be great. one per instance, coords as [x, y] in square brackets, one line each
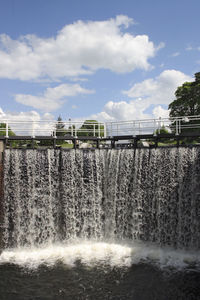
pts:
[90, 270]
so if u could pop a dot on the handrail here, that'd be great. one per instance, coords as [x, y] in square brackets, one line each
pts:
[99, 129]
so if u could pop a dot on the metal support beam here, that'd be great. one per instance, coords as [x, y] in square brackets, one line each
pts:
[97, 142]
[112, 144]
[54, 143]
[135, 143]
[156, 141]
[74, 142]
[32, 143]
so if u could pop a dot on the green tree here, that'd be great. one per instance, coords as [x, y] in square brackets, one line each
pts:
[91, 128]
[60, 127]
[187, 102]
[60, 130]
[10, 133]
[163, 130]
[3, 130]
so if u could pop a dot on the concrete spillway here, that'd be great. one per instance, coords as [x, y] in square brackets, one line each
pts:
[143, 194]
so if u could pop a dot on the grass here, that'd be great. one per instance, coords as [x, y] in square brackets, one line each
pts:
[66, 145]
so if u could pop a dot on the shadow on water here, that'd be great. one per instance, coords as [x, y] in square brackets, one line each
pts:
[139, 282]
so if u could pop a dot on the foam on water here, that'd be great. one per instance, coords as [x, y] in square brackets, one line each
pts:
[55, 201]
[99, 253]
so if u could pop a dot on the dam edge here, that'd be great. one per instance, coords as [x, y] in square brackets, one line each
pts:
[73, 161]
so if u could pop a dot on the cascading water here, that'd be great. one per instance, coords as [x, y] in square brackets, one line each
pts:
[149, 195]
[101, 224]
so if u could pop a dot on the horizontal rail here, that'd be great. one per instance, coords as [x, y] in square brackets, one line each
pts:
[77, 129]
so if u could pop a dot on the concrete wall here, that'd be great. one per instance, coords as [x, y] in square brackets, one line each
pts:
[1, 191]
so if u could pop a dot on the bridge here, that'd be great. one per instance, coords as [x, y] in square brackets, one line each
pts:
[101, 134]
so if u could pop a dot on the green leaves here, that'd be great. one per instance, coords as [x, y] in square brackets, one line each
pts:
[3, 130]
[187, 102]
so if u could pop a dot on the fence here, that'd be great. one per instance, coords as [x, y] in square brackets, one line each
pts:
[98, 129]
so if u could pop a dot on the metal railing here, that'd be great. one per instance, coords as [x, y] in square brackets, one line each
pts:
[98, 129]
[51, 128]
[153, 126]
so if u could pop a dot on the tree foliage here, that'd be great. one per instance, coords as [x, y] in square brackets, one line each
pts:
[187, 102]
[91, 128]
[60, 127]
[60, 130]
[3, 130]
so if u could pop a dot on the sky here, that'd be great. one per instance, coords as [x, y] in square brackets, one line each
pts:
[106, 60]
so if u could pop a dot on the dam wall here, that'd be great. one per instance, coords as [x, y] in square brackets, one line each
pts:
[1, 192]
[57, 195]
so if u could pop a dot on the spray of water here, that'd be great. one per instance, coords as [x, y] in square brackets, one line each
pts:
[53, 197]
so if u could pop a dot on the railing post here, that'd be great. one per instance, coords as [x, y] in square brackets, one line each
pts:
[134, 132]
[176, 126]
[93, 129]
[159, 125]
[105, 134]
[99, 130]
[7, 135]
[154, 125]
[33, 129]
[179, 126]
[71, 127]
[75, 131]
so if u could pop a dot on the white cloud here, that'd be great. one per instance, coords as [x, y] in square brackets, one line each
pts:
[79, 48]
[154, 91]
[123, 110]
[52, 98]
[159, 90]
[160, 112]
[22, 122]
[175, 54]
[189, 48]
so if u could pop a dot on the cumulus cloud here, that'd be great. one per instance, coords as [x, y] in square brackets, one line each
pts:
[52, 98]
[160, 112]
[147, 98]
[159, 90]
[123, 110]
[28, 123]
[77, 49]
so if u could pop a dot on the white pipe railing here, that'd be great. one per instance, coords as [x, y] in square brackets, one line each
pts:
[98, 129]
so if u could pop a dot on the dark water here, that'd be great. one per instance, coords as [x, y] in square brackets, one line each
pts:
[139, 282]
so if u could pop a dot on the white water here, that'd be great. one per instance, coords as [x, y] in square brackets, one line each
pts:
[53, 197]
[103, 254]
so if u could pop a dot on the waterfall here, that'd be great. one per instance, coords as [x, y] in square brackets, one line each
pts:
[57, 195]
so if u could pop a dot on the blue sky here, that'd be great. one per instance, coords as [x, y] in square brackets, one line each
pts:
[105, 60]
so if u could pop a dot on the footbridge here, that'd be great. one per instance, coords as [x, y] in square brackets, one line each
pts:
[146, 132]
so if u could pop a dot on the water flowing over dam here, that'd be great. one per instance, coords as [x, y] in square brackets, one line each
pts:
[57, 195]
[100, 224]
